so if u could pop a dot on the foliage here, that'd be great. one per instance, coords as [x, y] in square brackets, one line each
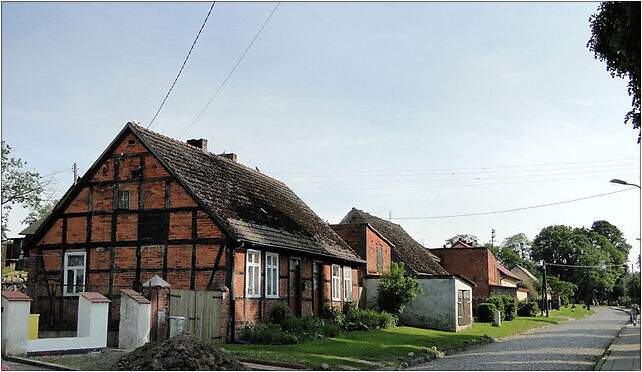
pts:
[269, 334]
[615, 39]
[498, 302]
[603, 260]
[560, 288]
[20, 186]
[527, 308]
[353, 319]
[396, 290]
[469, 239]
[280, 312]
[486, 312]
[510, 307]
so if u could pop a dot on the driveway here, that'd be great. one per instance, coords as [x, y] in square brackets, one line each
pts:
[571, 345]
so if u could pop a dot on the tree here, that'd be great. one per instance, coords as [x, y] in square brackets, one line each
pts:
[615, 39]
[465, 238]
[19, 186]
[396, 290]
[560, 288]
[520, 244]
[613, 234]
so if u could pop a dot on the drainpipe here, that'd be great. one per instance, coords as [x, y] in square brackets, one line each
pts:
[233, 291]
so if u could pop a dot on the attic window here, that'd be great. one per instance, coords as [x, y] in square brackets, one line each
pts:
[154, 227]
[135, 173]
[123, 199]
[131, 142]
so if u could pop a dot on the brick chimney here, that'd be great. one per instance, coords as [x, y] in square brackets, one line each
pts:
[231, 156]
[200, 143]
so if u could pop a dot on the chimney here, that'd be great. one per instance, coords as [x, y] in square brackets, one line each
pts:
[231, 156]
[200, 143]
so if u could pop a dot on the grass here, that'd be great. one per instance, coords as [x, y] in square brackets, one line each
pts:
[578, 312]
[8, 271]
[360, 349]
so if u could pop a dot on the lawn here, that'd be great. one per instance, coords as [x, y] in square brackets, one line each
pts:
[383, 347]
[578, 312]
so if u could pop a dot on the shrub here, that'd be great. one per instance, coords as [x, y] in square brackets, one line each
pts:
[498, 302]
[527, 308]
[333, 313]
[486, 312]
[510, 307]
[396, 290]
[280, 311]
[271, 334]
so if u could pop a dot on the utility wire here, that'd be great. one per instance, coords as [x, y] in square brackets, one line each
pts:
[183, 66]
[233, 69]
[513, 209]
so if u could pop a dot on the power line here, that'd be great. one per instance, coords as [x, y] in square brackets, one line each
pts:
[233, 69]
[513, 209]
[183, 66]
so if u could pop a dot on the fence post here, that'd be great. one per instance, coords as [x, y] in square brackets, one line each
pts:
[157, 291]
[134, 327]
[15, 322]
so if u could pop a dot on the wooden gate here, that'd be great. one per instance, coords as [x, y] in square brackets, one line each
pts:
[202, 312]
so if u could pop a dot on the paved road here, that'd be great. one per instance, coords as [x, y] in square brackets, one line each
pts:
[572, 345]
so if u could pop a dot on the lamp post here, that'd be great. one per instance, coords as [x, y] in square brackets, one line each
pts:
[620, 182]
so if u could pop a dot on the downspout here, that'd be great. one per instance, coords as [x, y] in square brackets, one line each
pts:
[233, 291]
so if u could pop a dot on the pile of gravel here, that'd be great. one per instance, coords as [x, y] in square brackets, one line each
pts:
[182, 352]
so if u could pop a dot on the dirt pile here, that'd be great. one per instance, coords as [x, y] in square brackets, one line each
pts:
[180, 353]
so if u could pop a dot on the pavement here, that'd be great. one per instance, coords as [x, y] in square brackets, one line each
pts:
[624, 352]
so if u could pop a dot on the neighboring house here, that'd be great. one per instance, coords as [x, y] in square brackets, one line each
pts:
[151, 205]
[461, 244]
[479, 265]
[445, 303]
[528, 281]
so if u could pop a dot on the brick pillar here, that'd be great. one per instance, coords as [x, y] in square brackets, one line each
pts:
[156, 290]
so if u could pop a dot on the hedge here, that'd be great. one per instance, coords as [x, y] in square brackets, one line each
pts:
[486, 312]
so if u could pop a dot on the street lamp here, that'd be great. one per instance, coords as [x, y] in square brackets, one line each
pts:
[615, 180]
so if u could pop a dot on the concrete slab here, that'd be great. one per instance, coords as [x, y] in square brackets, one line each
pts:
[624, 353]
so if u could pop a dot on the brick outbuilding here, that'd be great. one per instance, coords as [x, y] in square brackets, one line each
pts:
[151, 205]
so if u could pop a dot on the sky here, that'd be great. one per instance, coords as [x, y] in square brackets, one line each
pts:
[403, 110]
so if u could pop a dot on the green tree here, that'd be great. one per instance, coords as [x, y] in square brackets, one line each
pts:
[518, 243]
[613, 234]
[20, 186]
[615, 39]
[560, 288]
[396, 290]
[469, 239]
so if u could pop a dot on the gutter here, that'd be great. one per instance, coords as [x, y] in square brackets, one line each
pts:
[233, 291]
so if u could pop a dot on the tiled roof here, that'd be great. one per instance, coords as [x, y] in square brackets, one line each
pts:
[419, 258]
[251, 206]
[94, 297]
[135, 296]
[506, 272]
[15, 296]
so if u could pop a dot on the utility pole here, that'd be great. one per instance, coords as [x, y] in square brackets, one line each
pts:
[75, 173]
[390, 216]
[544, 293]
[492, 238]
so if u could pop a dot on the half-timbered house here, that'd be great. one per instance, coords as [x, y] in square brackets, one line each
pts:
[151, 205]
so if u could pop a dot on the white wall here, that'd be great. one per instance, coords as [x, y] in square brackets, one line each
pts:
[435, 308]
[15, 326]
[461, 285]
[134, 327]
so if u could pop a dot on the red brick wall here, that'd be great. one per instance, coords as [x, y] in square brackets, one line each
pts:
[372, 242]
[472, 263]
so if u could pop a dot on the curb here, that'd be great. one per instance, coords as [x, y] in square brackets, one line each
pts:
[602, 359]
[36, 363]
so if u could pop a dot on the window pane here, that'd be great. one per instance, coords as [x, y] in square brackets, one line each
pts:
[80, 280]
[256, 281]
[70, 281]
[76, 260]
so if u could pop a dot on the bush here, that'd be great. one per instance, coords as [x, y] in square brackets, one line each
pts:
[527, 308]
[498, 302]
[270, 334]
[486, 312]
[396, 289]
[333, 313]
[280, 311]
[510, 307]
[356, 319]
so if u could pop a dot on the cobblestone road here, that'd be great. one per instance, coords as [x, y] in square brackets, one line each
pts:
[572, 345]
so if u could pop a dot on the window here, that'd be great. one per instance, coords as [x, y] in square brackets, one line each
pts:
[253, 274]
[123, 199]
[271, 275]
[336, 283]
[154, 227]
[347, 284]
[74, 274]
[379, 259]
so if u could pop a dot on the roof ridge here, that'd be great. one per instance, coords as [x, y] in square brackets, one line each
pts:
[217, 156]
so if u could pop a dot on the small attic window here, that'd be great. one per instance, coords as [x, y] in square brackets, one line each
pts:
[131, 142]
[135, 173]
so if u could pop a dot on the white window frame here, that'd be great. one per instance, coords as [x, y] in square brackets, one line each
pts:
[252, 277]
[76, 286]
[336, 283]
[347, 284]
[272, 274]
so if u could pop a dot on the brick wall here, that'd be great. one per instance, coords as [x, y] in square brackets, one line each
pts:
[472, 263]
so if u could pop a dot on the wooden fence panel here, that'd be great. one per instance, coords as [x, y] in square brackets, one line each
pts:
[202, 312]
